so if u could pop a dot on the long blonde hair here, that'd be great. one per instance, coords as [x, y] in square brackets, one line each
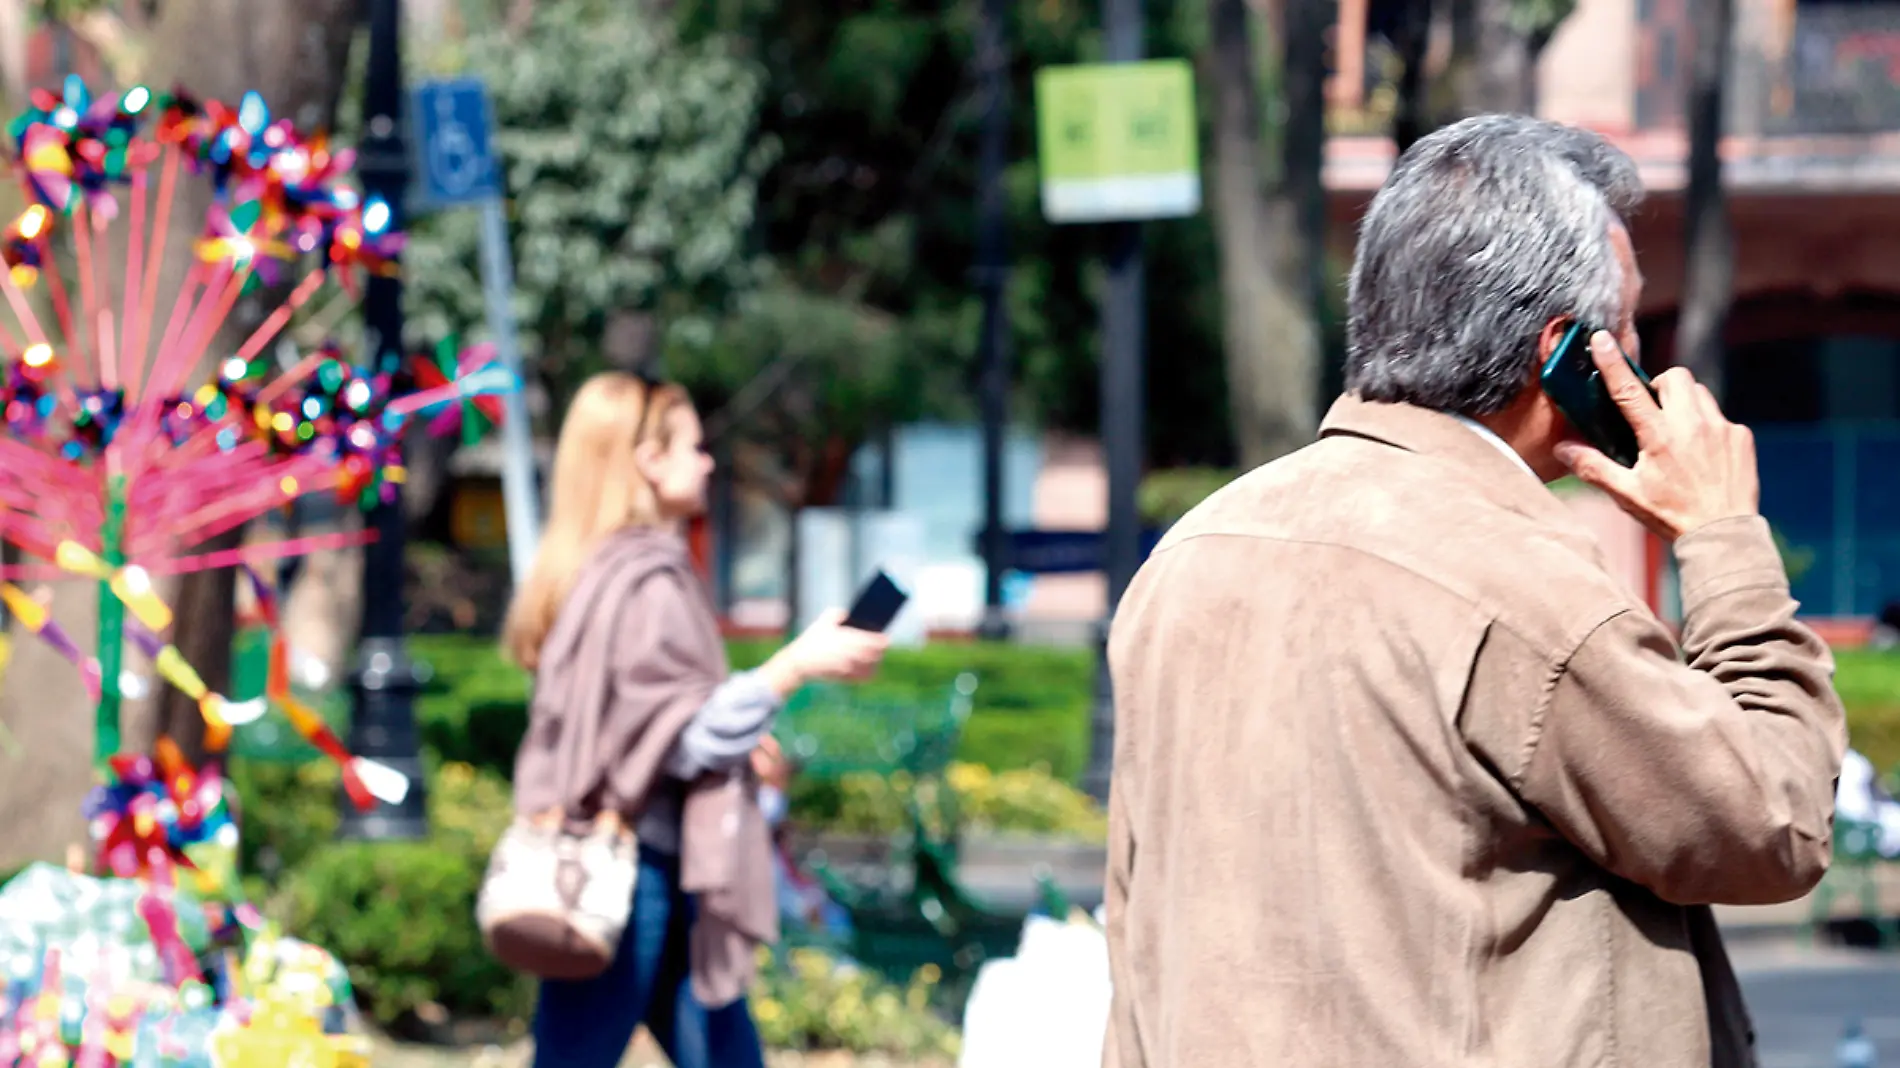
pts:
[596, 490]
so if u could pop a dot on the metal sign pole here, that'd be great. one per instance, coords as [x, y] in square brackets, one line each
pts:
[459, 167]
[518, 489]
[1117, 145]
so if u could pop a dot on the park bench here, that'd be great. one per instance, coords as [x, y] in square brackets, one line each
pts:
[915, 912]
[1855, 872]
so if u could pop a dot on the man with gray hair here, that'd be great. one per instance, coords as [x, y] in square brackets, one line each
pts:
[1403, 774]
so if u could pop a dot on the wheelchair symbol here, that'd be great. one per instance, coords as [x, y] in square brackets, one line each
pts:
[455, 161]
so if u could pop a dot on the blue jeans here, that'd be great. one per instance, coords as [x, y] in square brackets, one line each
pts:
[589, 1023]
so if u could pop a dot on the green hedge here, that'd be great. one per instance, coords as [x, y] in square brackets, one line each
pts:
[399, 915]
[1031, 706]
[286, 812]
[1032, 703]
[1869, 684]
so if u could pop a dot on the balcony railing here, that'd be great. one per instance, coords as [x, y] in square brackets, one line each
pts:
[1840, 75]
[1830, 70]
[1799, 69]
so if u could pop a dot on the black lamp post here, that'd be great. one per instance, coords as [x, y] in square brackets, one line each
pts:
[992, 275]
[1123, 335]
[383, 687]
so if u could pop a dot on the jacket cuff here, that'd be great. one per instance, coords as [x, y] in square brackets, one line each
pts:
[1728, 556]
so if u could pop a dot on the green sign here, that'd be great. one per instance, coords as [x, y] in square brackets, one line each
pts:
[1117, 141]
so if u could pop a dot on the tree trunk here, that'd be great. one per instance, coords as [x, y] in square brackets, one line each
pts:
[520, 16]
[1709, 263]
[830, 472]
[794, 562]
[111, 39]
[1303, 148]
[323, 605]
[1270, 253]
[13, 52]
[1411, 113]
[44, 710]
[293, 52]
[44, 781]
[1505, 74]
[1494, 55]
[1496, 46]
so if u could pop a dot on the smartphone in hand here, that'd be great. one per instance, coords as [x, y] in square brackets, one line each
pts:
[877, 604]
[1572, 382]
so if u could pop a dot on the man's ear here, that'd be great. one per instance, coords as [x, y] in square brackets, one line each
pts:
[1549, 338]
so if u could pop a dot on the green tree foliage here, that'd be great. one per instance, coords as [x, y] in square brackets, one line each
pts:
[844, 302]
[633, 163]
[870, 214]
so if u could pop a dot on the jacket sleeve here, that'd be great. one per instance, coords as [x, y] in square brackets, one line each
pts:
[1705, 774]
[1121, 1047]
[727, 728]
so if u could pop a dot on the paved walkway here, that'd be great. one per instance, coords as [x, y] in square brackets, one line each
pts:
[1802, 998]
[642, 1054]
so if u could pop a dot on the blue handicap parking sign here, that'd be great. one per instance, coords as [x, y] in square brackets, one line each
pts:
[454, 142]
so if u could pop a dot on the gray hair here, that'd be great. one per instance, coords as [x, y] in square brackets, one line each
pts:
[1484, 231]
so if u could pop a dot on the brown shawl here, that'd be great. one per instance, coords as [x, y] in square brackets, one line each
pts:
[634, 652]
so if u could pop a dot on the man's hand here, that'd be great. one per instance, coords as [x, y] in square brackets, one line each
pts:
[1694, 466]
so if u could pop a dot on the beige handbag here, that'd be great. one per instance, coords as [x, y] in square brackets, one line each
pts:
[554, 902]
[558, 893]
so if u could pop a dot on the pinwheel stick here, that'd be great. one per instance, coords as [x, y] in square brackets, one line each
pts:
[129, 356]
[148, 300]
[88, 305]
[62, 306]
[111, 625]
[267, 332]
[173, 365]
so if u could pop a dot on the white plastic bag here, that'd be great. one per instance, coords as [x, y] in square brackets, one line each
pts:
[1046, 1007]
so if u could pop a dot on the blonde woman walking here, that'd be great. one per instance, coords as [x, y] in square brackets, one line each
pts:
[676, 736]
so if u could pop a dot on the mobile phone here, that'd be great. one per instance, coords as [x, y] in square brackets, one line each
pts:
[877, 604]
[1572, 382]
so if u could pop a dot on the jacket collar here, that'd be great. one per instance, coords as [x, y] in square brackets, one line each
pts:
[1498, 443]
[1441, 436]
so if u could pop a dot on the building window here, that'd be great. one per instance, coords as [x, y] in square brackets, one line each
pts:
[1826, 416]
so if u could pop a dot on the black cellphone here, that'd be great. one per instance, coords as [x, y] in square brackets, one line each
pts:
[1572, 382]
[877, 604]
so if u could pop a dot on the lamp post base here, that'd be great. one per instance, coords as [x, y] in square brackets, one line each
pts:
[1101, 723]
[383, 729]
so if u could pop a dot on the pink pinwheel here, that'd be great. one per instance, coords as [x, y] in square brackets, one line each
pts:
[118, 466]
